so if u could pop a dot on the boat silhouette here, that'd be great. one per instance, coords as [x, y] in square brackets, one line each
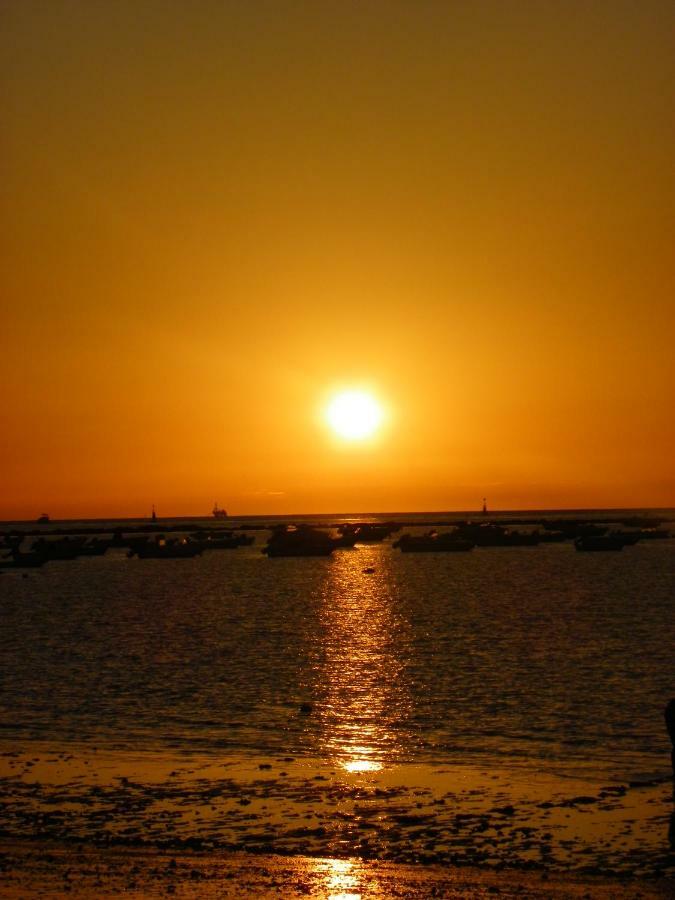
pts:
[221, 540]
[595, 543]
[300, 540]
[487, 535]
[432, 542]
[173, 548]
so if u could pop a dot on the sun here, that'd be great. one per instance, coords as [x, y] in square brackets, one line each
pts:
[354, 415]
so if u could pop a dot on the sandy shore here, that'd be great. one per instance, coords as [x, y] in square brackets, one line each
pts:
[29, 869]
[89, 822]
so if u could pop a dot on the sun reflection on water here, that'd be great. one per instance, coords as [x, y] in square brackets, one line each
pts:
[340, 879]
[362, 765]
[365, 703]
[345, 879]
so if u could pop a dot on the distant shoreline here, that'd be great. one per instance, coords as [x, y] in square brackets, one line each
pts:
[418, 514]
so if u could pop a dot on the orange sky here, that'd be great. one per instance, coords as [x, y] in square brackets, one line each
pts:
[215, 213]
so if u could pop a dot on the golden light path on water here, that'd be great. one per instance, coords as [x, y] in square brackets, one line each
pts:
[340, 879]
[365, 701]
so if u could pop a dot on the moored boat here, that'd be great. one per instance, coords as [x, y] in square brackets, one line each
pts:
[224, 540]
[448, 542]
[18, 560]
[299, 541]
[627, 538]
[59, 548]
[368, 532]
[166, 549]
[488, 535]
[654, 534]
[599, 543]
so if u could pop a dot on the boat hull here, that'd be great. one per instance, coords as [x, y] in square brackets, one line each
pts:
[297, 551]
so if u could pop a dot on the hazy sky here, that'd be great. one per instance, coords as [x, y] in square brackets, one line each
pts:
[215, 213]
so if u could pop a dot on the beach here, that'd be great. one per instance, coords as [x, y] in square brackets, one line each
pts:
[373, 724]
[101, 821]
[48, 870]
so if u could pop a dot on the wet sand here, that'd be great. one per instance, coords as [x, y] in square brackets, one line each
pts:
[50, 870]
[97, 821]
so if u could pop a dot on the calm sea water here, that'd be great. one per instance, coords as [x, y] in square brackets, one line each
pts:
[503, 655]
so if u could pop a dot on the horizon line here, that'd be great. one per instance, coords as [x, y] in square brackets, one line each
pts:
[435, 512]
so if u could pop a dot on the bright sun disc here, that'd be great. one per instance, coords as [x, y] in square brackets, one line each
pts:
[354, 415]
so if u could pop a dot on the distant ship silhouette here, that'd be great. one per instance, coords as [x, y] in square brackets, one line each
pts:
[218, 513]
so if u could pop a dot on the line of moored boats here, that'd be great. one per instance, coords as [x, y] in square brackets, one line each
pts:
[469, 535]
[158, 546]
[310, 540]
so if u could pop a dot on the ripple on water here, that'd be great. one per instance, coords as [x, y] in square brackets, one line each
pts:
[510, 655]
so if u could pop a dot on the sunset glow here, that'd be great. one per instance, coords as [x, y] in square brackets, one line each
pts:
[354, 415]
[337, 447]
[213, 213]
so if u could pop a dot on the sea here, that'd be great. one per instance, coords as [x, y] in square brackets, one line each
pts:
[511, 657]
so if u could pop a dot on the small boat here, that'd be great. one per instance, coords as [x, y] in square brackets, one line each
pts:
[627, 538]
[163, 549]
[19, 560]
[297, 550]
[43, 519]
[488, 535]
[223, 540]
[551, 537]
[599, 543]
[58, 548]
[299, 541]
[95, 547]
[642, 522]
[574, 528]
[367, 532]
[654, 534]
[448, 542]
[218, 512]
